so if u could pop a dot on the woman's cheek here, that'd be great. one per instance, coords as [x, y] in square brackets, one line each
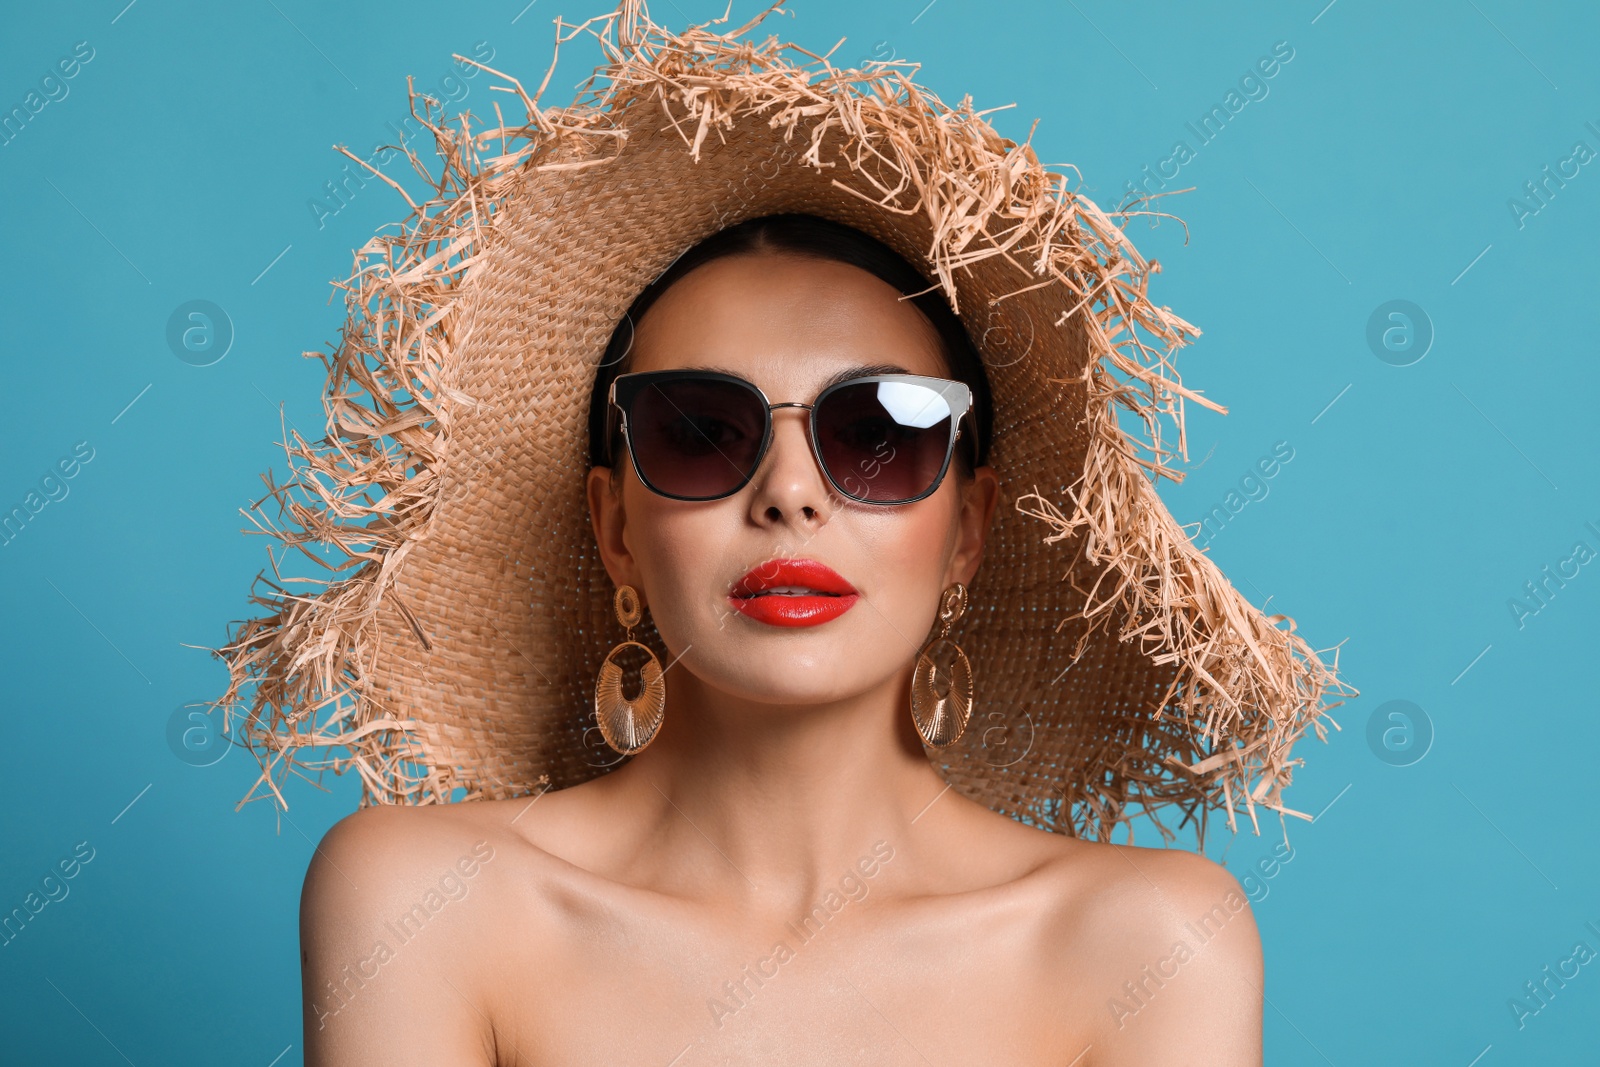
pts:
[682, 560]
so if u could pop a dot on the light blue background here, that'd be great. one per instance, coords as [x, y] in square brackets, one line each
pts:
[1378, 167]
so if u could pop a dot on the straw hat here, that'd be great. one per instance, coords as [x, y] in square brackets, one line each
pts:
[452, 652]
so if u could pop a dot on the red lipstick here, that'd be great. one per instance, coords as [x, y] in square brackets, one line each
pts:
[792, 592]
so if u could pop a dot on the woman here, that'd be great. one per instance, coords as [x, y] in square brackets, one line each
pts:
[799, 830]
[640, 914]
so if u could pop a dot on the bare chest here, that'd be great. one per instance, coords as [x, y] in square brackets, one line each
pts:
[860, 982]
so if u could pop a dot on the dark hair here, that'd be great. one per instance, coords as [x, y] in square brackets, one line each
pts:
[807, 235]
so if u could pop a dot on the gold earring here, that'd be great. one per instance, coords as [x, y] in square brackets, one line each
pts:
[629, 724]
[941, 688]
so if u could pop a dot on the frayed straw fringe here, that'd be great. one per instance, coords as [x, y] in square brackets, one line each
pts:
[1246, 690]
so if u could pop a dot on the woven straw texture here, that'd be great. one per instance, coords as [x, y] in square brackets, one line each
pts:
[452, 651]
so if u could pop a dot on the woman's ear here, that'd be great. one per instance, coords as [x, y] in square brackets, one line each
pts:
[609, 521]
[979, 495]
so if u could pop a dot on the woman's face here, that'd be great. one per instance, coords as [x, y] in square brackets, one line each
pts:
[789, 324]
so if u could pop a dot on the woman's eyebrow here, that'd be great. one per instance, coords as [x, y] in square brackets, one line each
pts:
[864, 371]
[860, 371]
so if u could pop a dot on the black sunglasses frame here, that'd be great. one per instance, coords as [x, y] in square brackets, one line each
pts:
[625, 388]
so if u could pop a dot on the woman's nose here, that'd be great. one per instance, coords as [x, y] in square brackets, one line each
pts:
[789, 486]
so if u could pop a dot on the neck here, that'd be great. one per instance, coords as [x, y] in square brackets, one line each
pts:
[771, 804]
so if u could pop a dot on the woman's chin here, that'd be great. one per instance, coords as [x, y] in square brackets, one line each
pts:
[803, 678]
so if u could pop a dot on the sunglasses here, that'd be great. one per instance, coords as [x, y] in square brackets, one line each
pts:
[701, 435]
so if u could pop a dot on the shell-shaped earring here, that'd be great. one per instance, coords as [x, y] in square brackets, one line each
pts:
[629, 724]
[941, 688]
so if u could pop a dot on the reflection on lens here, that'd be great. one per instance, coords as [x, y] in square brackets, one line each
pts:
[883, 442]
[912, 405]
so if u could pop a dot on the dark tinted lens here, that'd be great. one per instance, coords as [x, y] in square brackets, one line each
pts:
[696, 438]
[883, 442]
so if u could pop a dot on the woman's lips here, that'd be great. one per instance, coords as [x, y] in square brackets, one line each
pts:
[783, 609]
[792, 592]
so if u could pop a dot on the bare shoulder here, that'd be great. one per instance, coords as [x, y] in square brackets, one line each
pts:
[1128, 890]
[396, 902]
[1163, 952]
[388, 854]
